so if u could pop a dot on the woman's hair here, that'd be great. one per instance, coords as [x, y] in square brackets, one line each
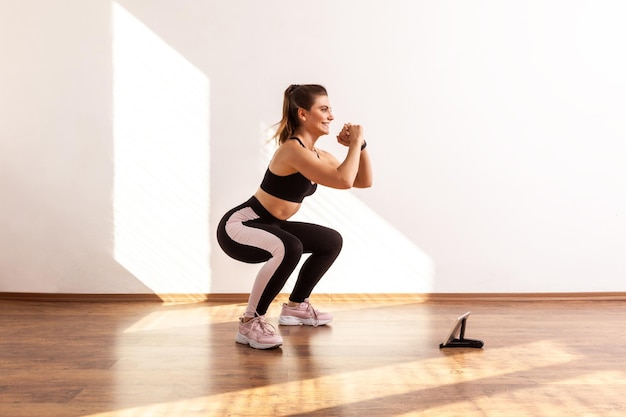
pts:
[296, 96]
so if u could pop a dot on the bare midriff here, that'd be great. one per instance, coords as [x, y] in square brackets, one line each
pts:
[279, 208]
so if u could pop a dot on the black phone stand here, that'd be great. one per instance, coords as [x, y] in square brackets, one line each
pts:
[462, 342]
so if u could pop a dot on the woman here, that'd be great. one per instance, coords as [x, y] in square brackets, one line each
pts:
[259, 231]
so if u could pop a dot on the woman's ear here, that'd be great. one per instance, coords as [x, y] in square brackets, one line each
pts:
[301, 114]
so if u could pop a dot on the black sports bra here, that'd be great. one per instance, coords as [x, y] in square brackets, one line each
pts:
[293, 187]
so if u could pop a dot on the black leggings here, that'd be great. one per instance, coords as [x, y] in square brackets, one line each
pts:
[249, 233]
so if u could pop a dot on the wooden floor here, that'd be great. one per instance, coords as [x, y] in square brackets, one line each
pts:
[541, 358]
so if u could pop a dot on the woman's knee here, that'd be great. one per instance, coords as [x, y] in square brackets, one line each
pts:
[334, 240]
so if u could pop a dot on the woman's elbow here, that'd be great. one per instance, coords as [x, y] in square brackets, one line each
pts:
[362, 184]
[344, 183]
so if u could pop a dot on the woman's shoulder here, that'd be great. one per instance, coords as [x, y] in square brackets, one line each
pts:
[283, 158]
[287, 147]
[290, 148]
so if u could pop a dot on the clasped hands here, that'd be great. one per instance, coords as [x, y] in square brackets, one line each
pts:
[349, 134]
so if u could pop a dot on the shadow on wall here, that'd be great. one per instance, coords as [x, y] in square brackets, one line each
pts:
[56, 171]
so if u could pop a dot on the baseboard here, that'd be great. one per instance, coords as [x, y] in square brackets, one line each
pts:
[354, 297]
[539, 296]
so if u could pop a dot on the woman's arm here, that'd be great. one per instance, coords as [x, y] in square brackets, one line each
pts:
[364, 175]
[325, 170]
[354, 171]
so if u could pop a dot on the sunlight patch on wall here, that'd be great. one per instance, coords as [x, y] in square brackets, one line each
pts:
[161, 161]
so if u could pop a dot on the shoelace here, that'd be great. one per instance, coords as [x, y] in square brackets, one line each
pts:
[265, 327]
[313, 315]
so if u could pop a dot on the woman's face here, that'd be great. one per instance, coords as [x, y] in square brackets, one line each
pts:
[317, 120]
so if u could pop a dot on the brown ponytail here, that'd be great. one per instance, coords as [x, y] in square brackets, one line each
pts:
[296, 96]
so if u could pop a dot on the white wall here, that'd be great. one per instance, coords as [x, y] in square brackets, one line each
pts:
[496, 128]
